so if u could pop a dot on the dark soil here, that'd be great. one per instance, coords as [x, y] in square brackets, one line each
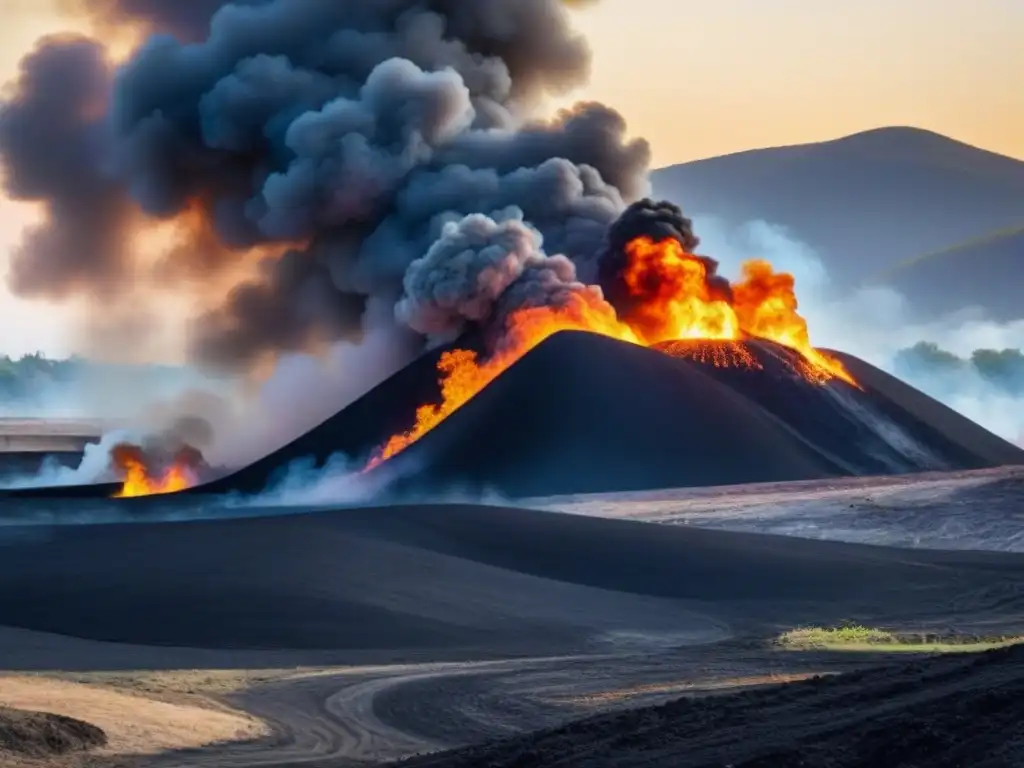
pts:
[40, 734]
[942, 712]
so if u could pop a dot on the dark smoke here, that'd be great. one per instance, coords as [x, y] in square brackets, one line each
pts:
[350, 132]
[483, 268]
[465, 272]
[53, 143]
[658, 221]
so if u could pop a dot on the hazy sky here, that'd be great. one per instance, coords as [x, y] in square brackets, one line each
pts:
[701, 78]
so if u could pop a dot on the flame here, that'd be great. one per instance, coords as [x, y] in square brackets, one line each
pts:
[676, 300]
[463, 374]
[137, 481]
[131, 461]
[673, 298]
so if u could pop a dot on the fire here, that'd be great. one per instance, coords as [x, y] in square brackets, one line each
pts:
[675, 298]
[139, 480]
[463, 374]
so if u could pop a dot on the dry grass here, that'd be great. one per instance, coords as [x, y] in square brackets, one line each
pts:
[134, 724]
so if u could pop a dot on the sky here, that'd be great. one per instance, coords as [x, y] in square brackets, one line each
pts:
[700, 78]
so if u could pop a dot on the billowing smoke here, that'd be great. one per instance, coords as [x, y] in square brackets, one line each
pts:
[350, 136]
[483, 269]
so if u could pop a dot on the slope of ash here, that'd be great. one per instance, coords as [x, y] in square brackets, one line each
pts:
[463, 580]
[584, 413]
[881, 426]
[893, 393]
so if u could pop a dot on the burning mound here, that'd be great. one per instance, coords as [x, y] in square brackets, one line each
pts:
[583, 413]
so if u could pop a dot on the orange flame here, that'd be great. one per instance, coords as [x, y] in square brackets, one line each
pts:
[462, 374]
[674, 299]
[132, 462]
[137, 481]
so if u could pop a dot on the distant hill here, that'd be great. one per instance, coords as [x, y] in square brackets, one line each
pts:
[865, 202]
[984, 272]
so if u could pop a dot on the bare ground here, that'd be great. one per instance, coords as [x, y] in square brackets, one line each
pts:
[944, 712]
[350, 707]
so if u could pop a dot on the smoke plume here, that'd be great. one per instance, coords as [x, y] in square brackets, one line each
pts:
[340, 140]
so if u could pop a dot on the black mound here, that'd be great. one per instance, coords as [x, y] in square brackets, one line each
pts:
[585, 413]
[455, 577]
[883, 427]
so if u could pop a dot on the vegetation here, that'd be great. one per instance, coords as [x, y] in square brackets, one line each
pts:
[855, 637]
[21, 378]
[1004, 368]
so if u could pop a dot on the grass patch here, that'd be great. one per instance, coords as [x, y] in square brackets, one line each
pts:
[855, 637]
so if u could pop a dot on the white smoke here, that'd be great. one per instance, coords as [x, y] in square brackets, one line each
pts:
[301, 392]
[93, 468]
[876, 323]
[243, 423]
[341, 481]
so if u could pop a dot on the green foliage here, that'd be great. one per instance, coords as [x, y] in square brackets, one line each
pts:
[855, 637]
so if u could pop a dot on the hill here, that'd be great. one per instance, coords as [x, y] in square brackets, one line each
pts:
[980, 272]
[459, 579]
[865, 202]
[586, 413]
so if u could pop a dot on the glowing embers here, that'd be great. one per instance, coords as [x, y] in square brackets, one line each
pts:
[719, 354]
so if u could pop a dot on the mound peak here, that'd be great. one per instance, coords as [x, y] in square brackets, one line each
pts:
[587, 413]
